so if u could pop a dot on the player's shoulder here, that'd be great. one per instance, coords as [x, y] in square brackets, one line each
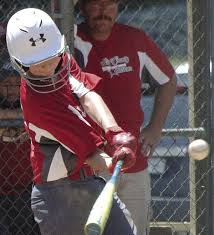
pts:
[131, 35]
[23, 88]
[33, 101]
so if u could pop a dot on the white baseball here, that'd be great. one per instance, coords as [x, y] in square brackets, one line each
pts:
[198, 149]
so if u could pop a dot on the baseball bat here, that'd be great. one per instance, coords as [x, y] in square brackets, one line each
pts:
[101, 209]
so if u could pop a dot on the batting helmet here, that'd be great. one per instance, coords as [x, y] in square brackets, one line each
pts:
[33, 37]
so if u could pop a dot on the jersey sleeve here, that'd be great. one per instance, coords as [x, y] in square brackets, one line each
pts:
[153, 58]
[81, 82]
[65, 125]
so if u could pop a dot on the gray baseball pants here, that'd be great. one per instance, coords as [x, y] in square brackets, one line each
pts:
[62, 207]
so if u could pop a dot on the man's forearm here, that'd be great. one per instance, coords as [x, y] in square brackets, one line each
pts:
[95, 107]
[163, 102]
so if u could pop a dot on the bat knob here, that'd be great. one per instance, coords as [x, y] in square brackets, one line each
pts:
[92, 229]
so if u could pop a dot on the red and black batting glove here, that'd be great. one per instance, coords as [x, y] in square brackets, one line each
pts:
[121, 145]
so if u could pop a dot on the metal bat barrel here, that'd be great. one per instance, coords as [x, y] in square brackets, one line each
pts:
[101, 209]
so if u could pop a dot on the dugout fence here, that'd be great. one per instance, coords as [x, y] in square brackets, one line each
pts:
[182, 189]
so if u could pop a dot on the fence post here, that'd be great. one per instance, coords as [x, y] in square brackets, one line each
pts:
[68, 21]
[199, 74]
[63, 13]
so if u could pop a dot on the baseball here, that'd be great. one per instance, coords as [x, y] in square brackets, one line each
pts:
[198, 149]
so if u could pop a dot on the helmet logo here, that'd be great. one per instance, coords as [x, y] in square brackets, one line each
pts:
[33, 44]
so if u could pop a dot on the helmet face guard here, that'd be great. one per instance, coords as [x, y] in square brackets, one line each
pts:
[32, 38]
[48, 84]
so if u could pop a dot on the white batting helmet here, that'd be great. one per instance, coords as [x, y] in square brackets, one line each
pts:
[33, 37]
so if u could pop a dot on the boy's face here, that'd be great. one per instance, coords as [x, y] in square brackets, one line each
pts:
[46, 68]
[100, 15]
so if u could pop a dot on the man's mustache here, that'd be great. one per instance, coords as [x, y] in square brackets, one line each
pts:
[102, 17]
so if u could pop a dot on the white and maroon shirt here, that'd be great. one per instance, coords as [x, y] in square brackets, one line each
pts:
[61, 137]
[120, 60]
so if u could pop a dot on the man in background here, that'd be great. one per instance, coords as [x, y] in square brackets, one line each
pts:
[119, 53]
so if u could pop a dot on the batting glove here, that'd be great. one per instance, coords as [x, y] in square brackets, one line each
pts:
[121, 145]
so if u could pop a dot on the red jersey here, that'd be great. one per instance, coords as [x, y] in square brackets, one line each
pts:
[120, 60]
[15, 168]
[61, 137]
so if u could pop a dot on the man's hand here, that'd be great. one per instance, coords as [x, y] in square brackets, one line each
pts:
[150, 137]
[121, 145]
[151, 134]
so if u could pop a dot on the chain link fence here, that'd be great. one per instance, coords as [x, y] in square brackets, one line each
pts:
[182, 194]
